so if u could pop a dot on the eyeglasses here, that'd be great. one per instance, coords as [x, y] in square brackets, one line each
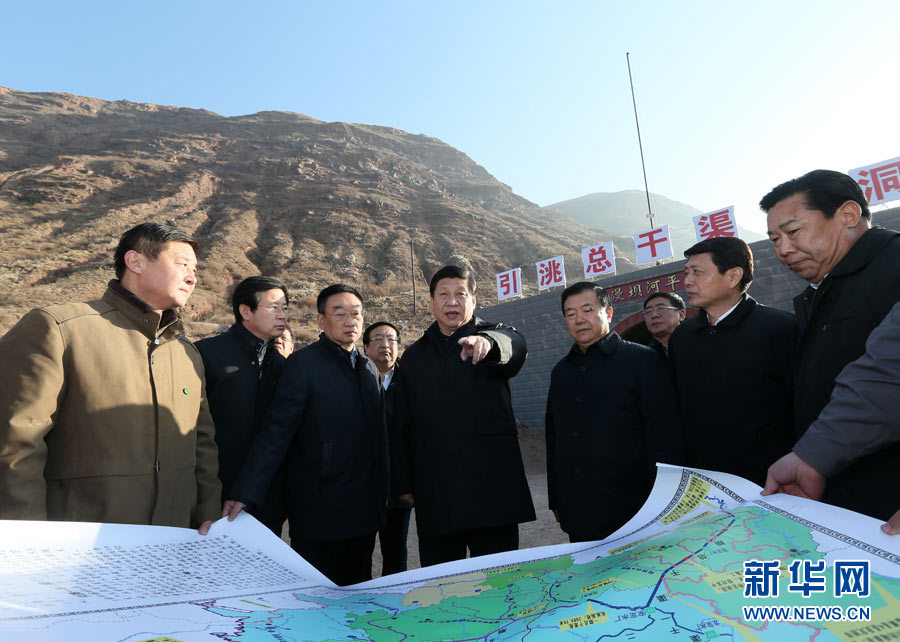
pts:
[277, 308]
[383, 338]
[343, 315]
[657, 308]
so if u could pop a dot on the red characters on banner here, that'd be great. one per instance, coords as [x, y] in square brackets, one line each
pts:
[652, 241]
[598, 259]
[653, 245]
[509, 284]
[880, 182]
[720, 223]
[551, 272]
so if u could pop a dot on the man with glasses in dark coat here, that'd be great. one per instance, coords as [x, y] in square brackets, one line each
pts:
[663, 312]
[381, 341]
[242, 367]
[327, 423]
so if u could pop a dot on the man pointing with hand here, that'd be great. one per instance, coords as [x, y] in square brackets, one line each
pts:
[474, 348]
[459, 452]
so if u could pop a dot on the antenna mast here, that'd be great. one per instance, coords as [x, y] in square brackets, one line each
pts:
[640, 146]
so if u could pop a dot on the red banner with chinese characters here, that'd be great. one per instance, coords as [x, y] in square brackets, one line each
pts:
[640, 290]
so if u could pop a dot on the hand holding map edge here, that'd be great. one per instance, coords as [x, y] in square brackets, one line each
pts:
[892, 526]
[793, 476]
[231, 509]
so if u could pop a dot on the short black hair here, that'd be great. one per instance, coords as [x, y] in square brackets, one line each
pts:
[727, 252]
[148, 239]
[249, 291]
[584, 286]
[452, 272]
[378, 324]
[673, 298]
[824, 190]
[331, 290]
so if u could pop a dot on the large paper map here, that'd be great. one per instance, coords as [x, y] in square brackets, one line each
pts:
[674, 572]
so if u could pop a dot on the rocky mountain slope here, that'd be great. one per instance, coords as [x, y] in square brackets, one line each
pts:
[274, 193]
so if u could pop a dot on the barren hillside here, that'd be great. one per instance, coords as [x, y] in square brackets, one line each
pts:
[274, 193]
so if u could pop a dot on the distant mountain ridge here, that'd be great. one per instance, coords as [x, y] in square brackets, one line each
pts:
[621, 214]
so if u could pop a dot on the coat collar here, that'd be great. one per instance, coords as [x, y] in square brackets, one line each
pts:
[339, 353]
[393, 382]
[858, 257]
[605, 346]
[863, 251]
[434, 332]
[745, 307]
[150, 323]
[246, 338]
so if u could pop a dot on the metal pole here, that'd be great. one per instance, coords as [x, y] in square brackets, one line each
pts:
[640, 146]
[412, 270]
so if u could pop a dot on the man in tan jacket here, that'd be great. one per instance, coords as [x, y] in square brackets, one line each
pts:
[103, 413]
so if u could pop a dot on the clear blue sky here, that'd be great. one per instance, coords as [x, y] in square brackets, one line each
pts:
[733, 97]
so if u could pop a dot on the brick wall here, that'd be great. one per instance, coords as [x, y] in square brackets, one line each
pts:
[539, 318]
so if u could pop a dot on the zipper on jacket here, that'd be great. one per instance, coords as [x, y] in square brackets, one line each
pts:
[150, 350]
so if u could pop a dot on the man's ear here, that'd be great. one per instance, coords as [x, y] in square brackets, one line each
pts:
[735, 275]
[320, 321]
[850, 213]
[245, 311]
[135, 261]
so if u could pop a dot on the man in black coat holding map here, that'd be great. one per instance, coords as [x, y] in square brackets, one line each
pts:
[821, 228]
[733, 365]
[242, 368]
[327, 423]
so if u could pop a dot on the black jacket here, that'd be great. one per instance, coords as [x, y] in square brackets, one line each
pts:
[239, 391]
[462, 459]
[611, 415]
[327, 423]
[390, 402]
[657, 345]
[836, 319]
[863, 416]
[735, 388]
[390, 396]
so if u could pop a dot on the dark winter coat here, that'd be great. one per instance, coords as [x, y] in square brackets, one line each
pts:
[463, 462]
[735, 388]
[327, 423]
[611, 416]
[863, 416]
[239, 391]
[836, 319]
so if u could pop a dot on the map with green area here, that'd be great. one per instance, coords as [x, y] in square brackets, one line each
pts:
[675, 572]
